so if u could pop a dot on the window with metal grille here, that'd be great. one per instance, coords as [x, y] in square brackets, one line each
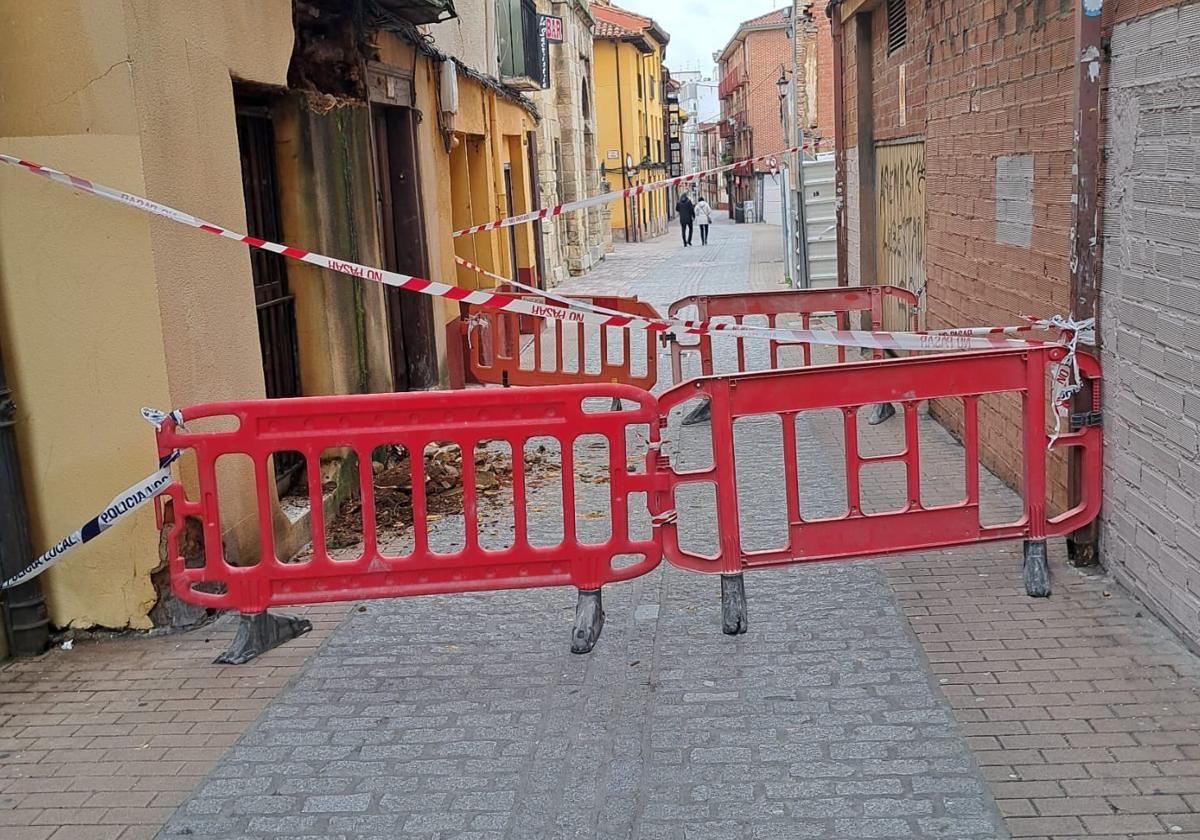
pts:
[897, 25]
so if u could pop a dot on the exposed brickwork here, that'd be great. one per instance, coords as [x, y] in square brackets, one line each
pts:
[814, 73]
[1149, 307]
[913, 57]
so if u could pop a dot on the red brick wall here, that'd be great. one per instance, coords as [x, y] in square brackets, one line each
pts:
[983, 79]
[766, 51]
[886, 99]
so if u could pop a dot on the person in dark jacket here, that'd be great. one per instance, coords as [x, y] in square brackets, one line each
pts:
[687, 216]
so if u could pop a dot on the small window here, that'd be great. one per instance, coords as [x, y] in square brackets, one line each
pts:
[651, 87]
[641, 92]
[897, 25]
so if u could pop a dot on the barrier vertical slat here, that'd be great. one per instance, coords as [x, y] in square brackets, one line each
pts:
[741, 345]
[262, 490]
[416, 472]
[970, 439]
[206, 474]
[806, 348]
[566, 447]
[366, 490]
[316, 506]
[1034, 490]
[726, 468]
[912, 455]
[516, 447]
[618, 482]
[853, 461]
[603, 349]
[470, 511]
[627, 345]
[791, 476]
[539, 328]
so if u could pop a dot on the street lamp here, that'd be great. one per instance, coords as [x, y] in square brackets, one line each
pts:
[788, 253]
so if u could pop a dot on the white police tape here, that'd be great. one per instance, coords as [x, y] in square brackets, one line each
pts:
[122, 505]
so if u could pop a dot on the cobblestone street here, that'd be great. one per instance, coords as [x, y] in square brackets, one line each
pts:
[922, 696]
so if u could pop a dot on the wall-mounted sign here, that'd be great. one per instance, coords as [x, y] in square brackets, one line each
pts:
[613, 154]
[553, 28]
[549, 31]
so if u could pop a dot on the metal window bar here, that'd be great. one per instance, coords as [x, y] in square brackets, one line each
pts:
[277, 333]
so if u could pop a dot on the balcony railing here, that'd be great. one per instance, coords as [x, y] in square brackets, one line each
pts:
[731, 81]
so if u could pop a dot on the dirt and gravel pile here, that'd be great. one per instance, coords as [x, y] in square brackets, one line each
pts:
[443, 474]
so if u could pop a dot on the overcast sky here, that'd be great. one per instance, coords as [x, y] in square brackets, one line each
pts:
[698, 28]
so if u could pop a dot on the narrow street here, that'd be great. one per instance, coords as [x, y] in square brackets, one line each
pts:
[916, 697]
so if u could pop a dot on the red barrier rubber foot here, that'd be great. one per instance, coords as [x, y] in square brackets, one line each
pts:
[259, 632]
[733, 605]
[882, 413]
[1036, 569]
[700, 414]
[589, 621]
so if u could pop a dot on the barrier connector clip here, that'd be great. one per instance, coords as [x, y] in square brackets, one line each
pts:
[156, 418]
[1086, 419]
[668, 517]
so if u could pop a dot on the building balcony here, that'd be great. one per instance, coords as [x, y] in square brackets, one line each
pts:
[731, 81]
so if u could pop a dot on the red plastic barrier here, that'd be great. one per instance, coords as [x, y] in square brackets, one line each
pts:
[847, 388]
[364, 424]
[780, 308]
[361, 424]
[503, 348]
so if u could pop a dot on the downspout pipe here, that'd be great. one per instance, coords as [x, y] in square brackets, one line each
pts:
[1085, 240]
[839, 140]
[627, 204]
[26, 623]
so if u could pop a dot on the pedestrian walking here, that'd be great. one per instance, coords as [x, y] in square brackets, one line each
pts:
[687, 216]
[703, 218]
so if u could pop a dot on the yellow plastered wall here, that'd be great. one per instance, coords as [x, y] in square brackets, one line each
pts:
[625, 121]
[102, 309]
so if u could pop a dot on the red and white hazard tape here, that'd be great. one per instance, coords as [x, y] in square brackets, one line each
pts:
[508, 303]
[583, 203]
[1057, 323]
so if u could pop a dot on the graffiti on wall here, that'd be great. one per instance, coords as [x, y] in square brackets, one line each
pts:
[900, 220]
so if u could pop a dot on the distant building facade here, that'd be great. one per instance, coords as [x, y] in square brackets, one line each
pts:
[628, 72]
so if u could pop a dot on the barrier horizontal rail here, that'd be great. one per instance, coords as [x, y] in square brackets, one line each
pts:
[504, 348]
[915, 525]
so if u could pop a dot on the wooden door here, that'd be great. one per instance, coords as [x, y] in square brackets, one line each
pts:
[402, 226]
